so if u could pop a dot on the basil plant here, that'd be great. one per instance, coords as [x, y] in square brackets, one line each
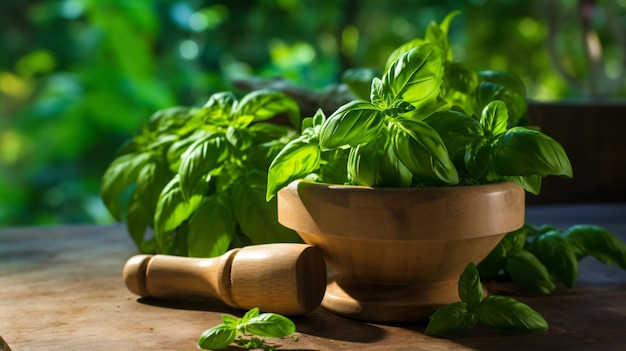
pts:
[195, 178]
[427, 121]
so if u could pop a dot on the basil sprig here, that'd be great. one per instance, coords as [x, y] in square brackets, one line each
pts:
[537, 257]
[502, 313]
[245, 331]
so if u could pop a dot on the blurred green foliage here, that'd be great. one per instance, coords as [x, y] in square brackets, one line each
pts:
[79, 77]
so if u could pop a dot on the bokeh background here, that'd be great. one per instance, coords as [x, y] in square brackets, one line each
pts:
[79, 77]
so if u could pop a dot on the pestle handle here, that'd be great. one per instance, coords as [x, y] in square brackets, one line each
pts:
[282, 278]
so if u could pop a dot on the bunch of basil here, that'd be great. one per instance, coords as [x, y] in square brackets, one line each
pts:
[197, 176]
[428, 121]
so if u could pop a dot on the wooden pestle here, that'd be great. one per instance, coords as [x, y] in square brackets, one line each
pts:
[288, 279]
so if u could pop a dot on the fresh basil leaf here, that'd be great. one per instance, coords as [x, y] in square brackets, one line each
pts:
[218, 110]
[138, 220]
[270, 325]
[172, 210]
[415, 77]
[479, 161]
[515, 240]
[258, 218]
[319, 118]
[253, 312]
[230, 321]
[461, 77]
[202, 157]
[403, 49]
[375, 164]
[211, 227]
[264, 104]
[297, 159]
[470, 288]
[118, 176]
[511, 90]
[457, 130]
[493, 264]
[598, 242]
[354, 123]
[421, 150]
[532, 183]
[335, 170]
[448, 319]
[177, 149]
[359, 81]
[528, 272]
[556, 253]
[377, 95]
[216, 338]
[526, 152]
[505, 314]
[140, 212]
[494, 119]
[399, 108]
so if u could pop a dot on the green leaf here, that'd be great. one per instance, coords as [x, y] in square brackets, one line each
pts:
[141, 208]
[218, 337]
[376, 164]
[296, 160]
[138, 219]
[177, 149]
[493, 264]
[172, 210]
[270, 325]
[230, 321]
[211, 227]
[527, 152]
[265, 104]
[258, 218]
[335, 170]
[415, 77]
[470, 288]
[202, 157]
[528, 272]
[377, 95]
[253, 312]
[218, 111]
[494, 119]
[597, 242]
[421, 150]
[479, 160]
[461, 77]
[505, 314]
[120, 174]
[354, 123]
[359, 81]
[556, 253]
[508, 88]
[403, 49]
[448, 319]
[532, 183]
[457, 130]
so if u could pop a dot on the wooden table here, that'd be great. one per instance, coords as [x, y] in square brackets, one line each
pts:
[61, 289]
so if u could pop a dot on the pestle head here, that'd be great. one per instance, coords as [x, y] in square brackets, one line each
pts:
[135, 274]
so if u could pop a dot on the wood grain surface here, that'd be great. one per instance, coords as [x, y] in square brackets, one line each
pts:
[61, 288]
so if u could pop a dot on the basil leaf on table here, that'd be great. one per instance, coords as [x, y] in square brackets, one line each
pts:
[218, 337]
[270, 325]
[528, 272]
[557, 254]
[448, 319]
[597, 242]
[506, 314]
